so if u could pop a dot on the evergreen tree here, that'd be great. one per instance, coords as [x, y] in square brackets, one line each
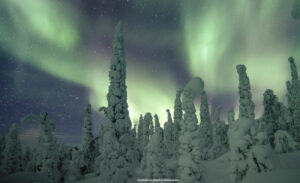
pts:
[169, 116]
[156, 121]
[177, 118]
[168, 148]
[12, 161]
[246, 107]
[99, 158]
[189, 166]
[220, 141]
[87, 130]
[205, 128]
[26, 158]
[293, 96]
[140, 137]
[146, 129]
[154, 159]
[47, 156]
[75, 165]
[270, 118]
[151, 127]
[283, 142]
[119, 154]
[87, 135]
[249, 150]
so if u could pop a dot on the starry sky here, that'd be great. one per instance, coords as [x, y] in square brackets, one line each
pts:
[55, 55]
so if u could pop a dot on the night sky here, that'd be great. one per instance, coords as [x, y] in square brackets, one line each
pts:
[55, 55]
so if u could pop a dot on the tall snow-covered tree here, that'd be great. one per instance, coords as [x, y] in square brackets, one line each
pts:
[205, 128]
[151, 127]
[156, 121]
[99, 158]
[293, 96]
[168, 148]
[87, 130]
[169, 116]
[140, 136]
[146, 129]
[120, 156]
[75, 165]
[154, 159]
[12, 161]
[220, 141]
[189, 166]
[246, 107]
[177, 118]
[87, 148]
[47, 150]
[271, 114]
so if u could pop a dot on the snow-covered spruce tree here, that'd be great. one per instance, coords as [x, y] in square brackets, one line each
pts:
[230, 116]
[12, 160]
[99, 157]
[269, 121]
[285, 118]
[154, 158]
[47, 156]
[156, 121]
[26, 157]
[249, 151]
[220, 141]
[205, 128]
[293, 96]
[189, 166]
[246, 107]
[140, 136]
[177, 118]
[146, 130]
[168, 148]
[74, 170]
[169, 116]
[151, 127]
[284, 142]
[87, 148]
[120, 156]
[63, 160]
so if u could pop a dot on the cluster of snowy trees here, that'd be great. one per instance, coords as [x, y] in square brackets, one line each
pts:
[122, 153]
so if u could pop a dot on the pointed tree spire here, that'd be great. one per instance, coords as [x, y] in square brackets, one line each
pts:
[12, 152]
[156, 119]
[87, 130]
[169, 116]
[246, 108]
[189, 165]
[120, 156]
[140, 134]
[205, 128]
[220, 139]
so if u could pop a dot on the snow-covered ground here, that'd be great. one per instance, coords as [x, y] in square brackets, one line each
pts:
[286, 170]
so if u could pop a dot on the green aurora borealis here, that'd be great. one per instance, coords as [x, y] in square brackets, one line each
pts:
[210, 38]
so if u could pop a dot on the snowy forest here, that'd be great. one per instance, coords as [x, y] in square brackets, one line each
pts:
[185, 149]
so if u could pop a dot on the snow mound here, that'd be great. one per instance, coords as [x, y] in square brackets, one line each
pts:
[26, 177]
[288, 175]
